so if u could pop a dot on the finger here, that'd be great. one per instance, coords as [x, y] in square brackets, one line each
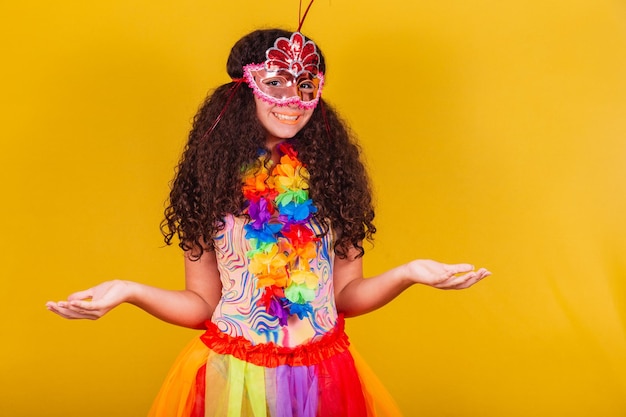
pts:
[470, 279]
[87, 309]
[78, 309]
[459, 280]
[448, 281]
[81, 313]
[482, 273]
[66, 312]
[52, 306]
[462, 280]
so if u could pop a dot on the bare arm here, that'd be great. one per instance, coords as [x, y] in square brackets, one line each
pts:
[190, 307]
[355, 295]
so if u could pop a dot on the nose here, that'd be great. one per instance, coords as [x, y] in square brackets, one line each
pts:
[290, 90]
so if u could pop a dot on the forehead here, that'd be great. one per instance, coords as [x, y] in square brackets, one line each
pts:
[282, 73]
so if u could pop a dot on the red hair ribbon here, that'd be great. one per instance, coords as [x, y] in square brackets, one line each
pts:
[300, 17]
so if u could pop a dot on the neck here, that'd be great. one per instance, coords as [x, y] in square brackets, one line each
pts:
[272, 144]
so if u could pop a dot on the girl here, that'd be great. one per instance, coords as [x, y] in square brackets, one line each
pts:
[271, 205]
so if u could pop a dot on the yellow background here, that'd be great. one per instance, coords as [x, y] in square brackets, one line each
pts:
[495, 133]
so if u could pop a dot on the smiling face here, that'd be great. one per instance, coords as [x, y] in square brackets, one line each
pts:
[281, 122]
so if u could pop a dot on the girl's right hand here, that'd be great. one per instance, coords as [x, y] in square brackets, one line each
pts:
[94, 302]
[444, 276]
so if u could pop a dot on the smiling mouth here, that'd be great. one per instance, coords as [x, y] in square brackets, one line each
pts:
[290, 119]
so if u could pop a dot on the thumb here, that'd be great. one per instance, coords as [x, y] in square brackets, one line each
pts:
[461, 268]
[81, 295]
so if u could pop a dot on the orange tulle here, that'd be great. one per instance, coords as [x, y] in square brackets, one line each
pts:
[177, 396]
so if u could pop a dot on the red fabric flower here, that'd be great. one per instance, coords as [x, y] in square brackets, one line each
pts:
[299, 234]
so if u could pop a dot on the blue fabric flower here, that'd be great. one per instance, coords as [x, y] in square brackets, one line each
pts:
[302, 310]
[267, 233]
[298, 212]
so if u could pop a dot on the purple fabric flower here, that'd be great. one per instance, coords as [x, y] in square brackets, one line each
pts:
[278, 309]
[259, 213]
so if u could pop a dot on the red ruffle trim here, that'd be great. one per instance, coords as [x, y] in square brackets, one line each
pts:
[271, 355]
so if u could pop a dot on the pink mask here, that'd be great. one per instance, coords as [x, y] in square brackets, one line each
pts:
[290, 74]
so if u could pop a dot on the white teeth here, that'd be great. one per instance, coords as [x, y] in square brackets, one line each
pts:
[285, 117]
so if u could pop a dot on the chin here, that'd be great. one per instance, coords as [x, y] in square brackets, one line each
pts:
[285, 132]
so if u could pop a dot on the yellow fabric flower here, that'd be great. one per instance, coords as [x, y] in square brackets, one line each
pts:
[305, 277]
[269, 268]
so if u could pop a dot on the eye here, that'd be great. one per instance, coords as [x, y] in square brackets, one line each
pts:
[274, 82]
[306, 86]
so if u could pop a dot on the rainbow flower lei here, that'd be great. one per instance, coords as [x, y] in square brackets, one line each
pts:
[281, 244]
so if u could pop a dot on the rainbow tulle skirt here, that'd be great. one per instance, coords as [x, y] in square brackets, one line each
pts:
[220, 375]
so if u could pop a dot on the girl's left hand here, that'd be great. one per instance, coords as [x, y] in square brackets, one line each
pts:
[94, 302]
[444, 276]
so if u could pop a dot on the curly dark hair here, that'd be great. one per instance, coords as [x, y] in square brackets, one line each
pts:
[207, 184]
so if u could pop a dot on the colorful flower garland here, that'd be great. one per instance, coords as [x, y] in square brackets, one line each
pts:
[281, 244]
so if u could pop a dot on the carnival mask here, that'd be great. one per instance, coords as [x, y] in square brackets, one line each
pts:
[289, 75]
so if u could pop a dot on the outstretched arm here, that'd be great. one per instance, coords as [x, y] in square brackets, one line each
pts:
[355, 295]
[190, 307]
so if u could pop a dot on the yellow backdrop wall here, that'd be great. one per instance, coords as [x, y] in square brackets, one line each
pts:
[494, 132]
